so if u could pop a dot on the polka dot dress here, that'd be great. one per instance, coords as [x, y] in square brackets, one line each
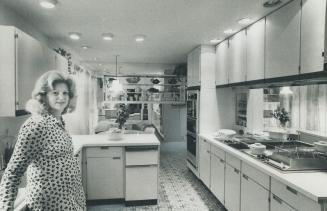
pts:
[45, 150]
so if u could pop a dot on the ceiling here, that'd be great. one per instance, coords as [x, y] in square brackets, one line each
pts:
[172, 27]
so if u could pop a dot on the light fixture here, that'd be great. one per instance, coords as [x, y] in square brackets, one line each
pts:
[244, 21]
[215, 41]
[75, 35]
[116, 88]
[229, 31]
[48, 4]
[271, 3]
[107, 36]
[139, 38]
[286, 90]
[85, 47]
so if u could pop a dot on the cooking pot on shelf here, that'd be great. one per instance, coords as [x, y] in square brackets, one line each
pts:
[257, 148]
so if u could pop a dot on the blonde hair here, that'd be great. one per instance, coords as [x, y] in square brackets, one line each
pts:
[45, 83]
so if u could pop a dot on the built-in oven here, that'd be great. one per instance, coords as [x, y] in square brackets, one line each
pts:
[192, 126]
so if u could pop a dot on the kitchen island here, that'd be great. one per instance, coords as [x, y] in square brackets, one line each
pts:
[124, 170]
[251, 180]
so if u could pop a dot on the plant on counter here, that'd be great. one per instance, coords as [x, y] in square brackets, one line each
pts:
[122, 115]
[282, 115]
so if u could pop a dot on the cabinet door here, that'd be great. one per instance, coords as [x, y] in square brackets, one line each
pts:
[217, 166]
[253, 196]
[237, 57]
[7, 71]
[30, 65]
[283, 41]
[141, 183]
[193, 67]
[204, 162]
[221, 63]
[255, 47]
[232, 188]
[312, 35]
[104, 178]
[277, 204]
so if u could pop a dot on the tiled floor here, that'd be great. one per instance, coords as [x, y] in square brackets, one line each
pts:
[179, 189]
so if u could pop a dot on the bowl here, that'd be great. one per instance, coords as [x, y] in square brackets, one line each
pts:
[133, 80]
[115, 134]
[257, 148]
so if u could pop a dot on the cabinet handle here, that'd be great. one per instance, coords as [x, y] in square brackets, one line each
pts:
[236, 171]
[208, 151]
[204, 140]
[116, 158]
[276, 198]
[141, 166]
[245, 177]
[104, 147]
[222, 161]
[291, 190]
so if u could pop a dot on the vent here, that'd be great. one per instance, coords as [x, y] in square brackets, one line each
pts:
[271, 3]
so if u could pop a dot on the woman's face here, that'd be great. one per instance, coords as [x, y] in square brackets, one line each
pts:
[58, 98]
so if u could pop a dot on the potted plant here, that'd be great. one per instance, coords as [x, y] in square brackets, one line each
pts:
[282, 115]
[122, 115]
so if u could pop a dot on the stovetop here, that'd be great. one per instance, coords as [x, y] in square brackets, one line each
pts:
[285, 155]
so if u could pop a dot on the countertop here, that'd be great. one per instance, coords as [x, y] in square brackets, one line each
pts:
[80, 141]
[311, 184]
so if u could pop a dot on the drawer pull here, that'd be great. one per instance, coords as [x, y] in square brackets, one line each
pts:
[276, 198]
[245, 177]
[222, 161]
[291, 190]
[141, 166]
[140, 148]
[208, 151]
[116, 158]
[236, 171]
[104, 147]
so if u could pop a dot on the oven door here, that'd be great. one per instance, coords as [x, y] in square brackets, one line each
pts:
[191, 148]
[191, 124]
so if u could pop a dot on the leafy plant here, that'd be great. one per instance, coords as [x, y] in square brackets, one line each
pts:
[282, 115]
[122, 115]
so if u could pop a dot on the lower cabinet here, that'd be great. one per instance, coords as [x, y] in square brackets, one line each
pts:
[217, 173]
[204, 161]
[104, 173]
[254, 197]
[232, 183]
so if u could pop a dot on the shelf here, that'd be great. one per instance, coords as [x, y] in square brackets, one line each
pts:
[145, 102]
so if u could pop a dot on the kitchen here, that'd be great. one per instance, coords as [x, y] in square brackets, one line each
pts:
[238, 82]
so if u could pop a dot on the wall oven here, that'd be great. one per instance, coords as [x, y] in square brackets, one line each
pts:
[192, 126]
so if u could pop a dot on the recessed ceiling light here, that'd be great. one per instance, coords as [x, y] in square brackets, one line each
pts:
[48, 4]
[85, 47]
[75, 35]
[229, 31]
[215, 41]
[139, 38]
[244, 21]
[107, 36]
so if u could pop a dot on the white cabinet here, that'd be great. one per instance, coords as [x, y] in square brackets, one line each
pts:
[254, 189]
[313, 24]
[204, 162]
[283, 41]
[236, 58]
[193, 67]
[141, 179]
[255, 47]
[104, 173]
[221, 63]
[217, 173]
[24, 60]
[232, 183]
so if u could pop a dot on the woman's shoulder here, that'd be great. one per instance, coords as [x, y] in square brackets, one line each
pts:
[35, 121]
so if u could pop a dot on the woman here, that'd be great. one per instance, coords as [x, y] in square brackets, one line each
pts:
[45, 149]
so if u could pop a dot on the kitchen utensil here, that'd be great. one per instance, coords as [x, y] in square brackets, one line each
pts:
[155, 81]
[133, 79]
[257, 148]
[321, 146]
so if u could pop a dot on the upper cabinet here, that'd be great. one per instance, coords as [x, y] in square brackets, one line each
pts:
[193, 67]
[221, 63]
[23, 60]
[255, 47]
[283, 41]
[201, 67]
[236, 58]
[312, 35]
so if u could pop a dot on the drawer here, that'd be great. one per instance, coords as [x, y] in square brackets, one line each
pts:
[141, 156]
[233, 161]
[104, 151]
[256, 175]
[286, 193]
[217, 152]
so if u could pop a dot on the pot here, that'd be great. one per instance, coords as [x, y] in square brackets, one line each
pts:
[257, 148]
